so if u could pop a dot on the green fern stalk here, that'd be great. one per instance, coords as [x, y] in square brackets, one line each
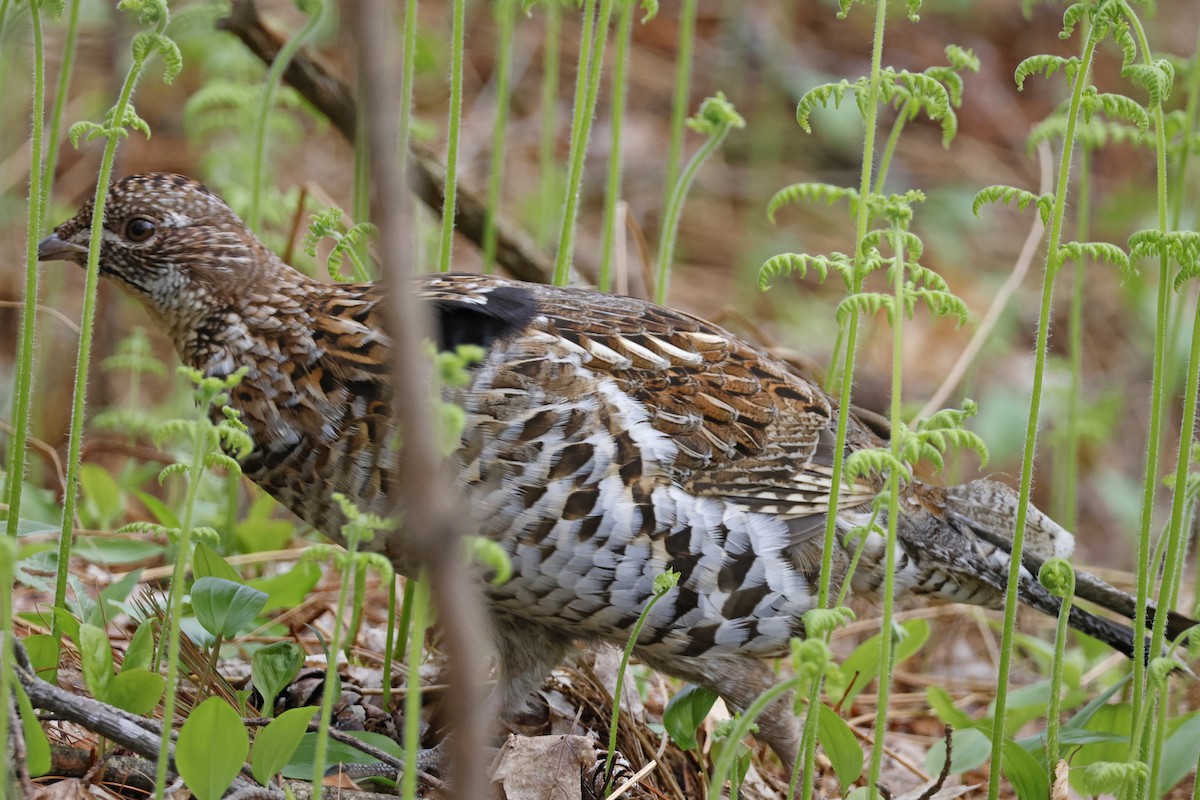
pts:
[316, 14]
[407, 71]
[1053, 264]
[419, 621]
[8, 557]
[887, 645]
[862, 221]
[506, 12]
[1154, 434]
[28, 325]
[453, 126]
[591, 59]
[612, 189]
[548, 138]
[679, 101]
[70, 39]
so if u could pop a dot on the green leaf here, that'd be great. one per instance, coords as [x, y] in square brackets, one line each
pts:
[136, 690]
[212, 748]
[972, 747]
[37, 746]
[102, 496]
[942, 704]
[108, 551]
[1180, 752]
[161, 511]
[140, 651]
[685, 713]
[42, 649]
[301, 765]
[840, 745]
[861, 667]
[272, 668]
[225, 607]
[275, 744]
[96, 654]
[207, 563]
[1028, 777]
[288, 589]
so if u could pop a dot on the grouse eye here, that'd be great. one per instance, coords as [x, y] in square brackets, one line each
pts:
[139, 229]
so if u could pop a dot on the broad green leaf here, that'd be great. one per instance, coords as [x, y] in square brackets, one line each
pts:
[840, 745]
[105, 550]
[37, 746]
[685, 713]
[971, 747]
[272, 668]
[942, 704]
[275, 744]
[302, 762]
[42, 649]
[136, 690]
[212, 747]
[163, 514]
[1028, 777]
[1180, 751]
[291, 588]
[207, 563]
[140, 651]
[102, 495]
[861, 667]
[96, 654]
[225, 607]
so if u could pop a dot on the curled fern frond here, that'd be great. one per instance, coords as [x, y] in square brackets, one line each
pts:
[1157, 79]
[1096, 251]
[877, 460]
[827, 193]
[911, 243]
[787, 263]
[820, 96]
[1000, 193]
[1047, 65]
[866, 304]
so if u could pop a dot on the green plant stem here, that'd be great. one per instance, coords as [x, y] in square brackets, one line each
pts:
[356, 607]
[1191, 113]
[453, 127]
[548, 140]
[175, 608]
[887, 642]
[389, 647]
[1070, 463]
[408, 70]
[419, 618]
[1053, 264]
[328, 698]
[270, 87]
[506, 13]
[28, 325]
[870, 123]
[612, 191]
[1154, 432]
[360, 208]
[8, 557]
[620, 684]
[83, 356]
[679, 101]
[70, 38]
[1054, 710]
[741, 728]
[670, 230]
[591, 59]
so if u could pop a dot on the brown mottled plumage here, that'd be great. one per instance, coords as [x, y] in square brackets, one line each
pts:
[607, 440]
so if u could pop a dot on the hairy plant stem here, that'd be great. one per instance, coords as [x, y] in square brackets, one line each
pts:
[28, 325]
[591, 58]
[408, 70]
[679, 101]
[887, 643]
[809, 735]
[1154, 434]
[86, 324]
[270, 87]
[454, 124]
[418, 602]
[612, 190]
[506, 12]
[1069, 464]
[1053, 264]
[70, 39]
[349, 579]
[548, 138]
[175, 609]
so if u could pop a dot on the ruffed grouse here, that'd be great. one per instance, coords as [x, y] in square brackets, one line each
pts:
[608, 439]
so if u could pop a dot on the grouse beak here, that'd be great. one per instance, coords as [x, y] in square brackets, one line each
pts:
[53, 248]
